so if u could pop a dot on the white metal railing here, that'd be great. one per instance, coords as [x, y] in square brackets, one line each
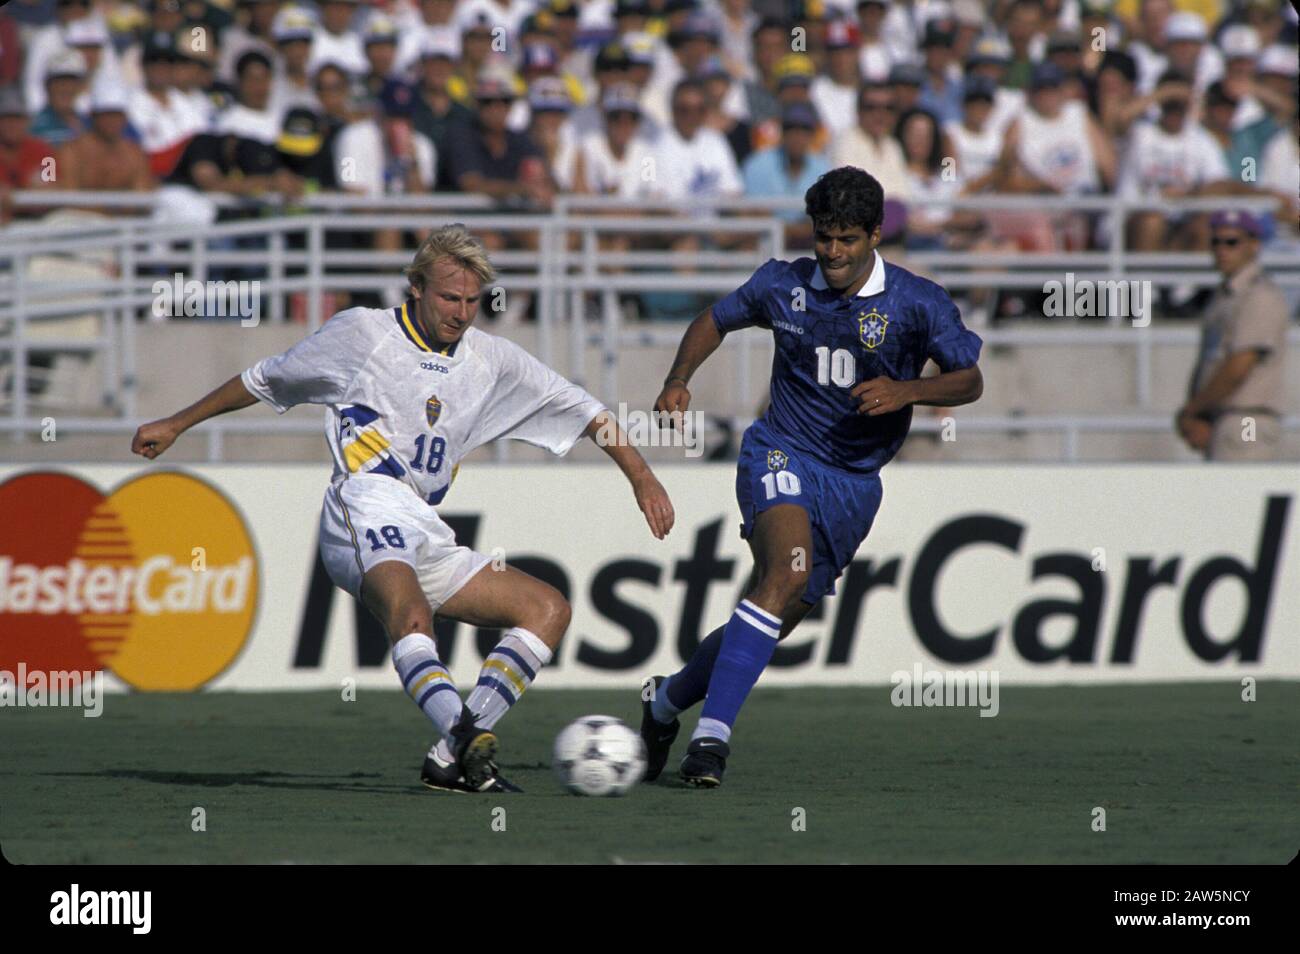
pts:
[565, 269]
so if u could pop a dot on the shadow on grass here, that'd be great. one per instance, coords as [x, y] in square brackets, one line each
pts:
[352, 782]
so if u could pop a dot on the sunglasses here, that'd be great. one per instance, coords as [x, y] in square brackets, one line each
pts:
[1230, 242]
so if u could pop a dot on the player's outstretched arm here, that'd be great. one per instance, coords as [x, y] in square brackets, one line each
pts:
[155, 437]
[650, 494]
[701, 340]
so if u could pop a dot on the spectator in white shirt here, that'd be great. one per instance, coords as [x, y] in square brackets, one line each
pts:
[1169, 159]
[48, 41]
[164, 117]
[875, 58]
[612, 160]
[870, 143]
[293, 33]
[336, 40]
[835, 93]
[435, 27]
[691, 161]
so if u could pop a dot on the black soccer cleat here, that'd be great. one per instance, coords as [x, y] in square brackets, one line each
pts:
[706, 760]
[475, 750]
[445, 777]
[657, 736]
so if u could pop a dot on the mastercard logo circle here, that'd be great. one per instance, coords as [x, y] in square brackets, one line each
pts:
[156, 582]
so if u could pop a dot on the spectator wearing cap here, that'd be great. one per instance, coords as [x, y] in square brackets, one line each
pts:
[906, 80]
[59, 120]
[251, 31]
[164, 118]
[870, 143]
[1242, 148]
[1172, 158]
[549, 107]
[102, 159]
[1101, 30]
[293, 32]
[976, 141]
[1275, 85]
[794, 77]
[942, 91]
[875, 58]
[379, 39]
[835, 94]
[1241, 49]
[630, 16]
[76, 26]
[494, 160]
[26, 161]
[1065, 51]
[1055, 146]
[1235, 397]
[165, 17]
[1173, 40]
[611, 67]
[736, 22]
[988, 60]
[789, 170]
[337, 38]
[433, 27]
[1024, 29]
[692, 161]
[437, 114]
[1265, 17]
[718, 87]
[505, 15]
[478, 54]
[612, 160]
[692, 40]
[305, 148]
[969, 21]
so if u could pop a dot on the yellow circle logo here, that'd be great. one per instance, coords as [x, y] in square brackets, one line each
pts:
[157, 582]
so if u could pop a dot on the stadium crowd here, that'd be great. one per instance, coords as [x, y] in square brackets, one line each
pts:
[663, 99]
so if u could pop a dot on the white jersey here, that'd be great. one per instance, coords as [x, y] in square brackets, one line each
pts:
[1059, 150]
[404, 409]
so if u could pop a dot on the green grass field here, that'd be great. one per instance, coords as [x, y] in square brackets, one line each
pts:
[1185, 773]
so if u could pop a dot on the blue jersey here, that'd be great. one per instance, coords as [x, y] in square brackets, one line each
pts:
[827, 344]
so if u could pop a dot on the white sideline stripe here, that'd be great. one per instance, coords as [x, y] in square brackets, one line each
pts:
[775, 633]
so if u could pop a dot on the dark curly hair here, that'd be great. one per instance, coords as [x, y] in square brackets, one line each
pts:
[845, 198]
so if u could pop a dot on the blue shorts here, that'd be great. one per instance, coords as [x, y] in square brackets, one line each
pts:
[841, 506]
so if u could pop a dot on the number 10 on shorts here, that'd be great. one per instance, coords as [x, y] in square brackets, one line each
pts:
[781, 482]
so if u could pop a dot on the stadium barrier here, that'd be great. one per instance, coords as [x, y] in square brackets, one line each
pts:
[1043, 575]
[58, 312]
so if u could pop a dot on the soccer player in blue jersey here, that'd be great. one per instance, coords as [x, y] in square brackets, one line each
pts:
[852, 335]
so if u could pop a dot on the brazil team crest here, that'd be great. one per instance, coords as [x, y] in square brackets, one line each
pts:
[432, 410]
[872, 326]
[776, 460]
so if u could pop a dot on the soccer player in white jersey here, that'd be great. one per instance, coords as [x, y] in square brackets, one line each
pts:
[412, 390]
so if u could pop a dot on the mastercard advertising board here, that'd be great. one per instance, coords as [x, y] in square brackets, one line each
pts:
[155, 580]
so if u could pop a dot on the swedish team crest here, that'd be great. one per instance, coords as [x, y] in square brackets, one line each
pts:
[432, 410]
[776, 460]
[872, 326]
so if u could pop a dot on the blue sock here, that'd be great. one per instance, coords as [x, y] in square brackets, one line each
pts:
[690, 684]
[747, 647]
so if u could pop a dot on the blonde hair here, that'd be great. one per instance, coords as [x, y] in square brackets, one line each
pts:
[452, 242]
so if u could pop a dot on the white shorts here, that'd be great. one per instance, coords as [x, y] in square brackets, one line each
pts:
[370, 518]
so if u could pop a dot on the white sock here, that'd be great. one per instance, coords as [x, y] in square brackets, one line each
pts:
[712, 729]
[508, 670]
[427, 681]
[661, 707]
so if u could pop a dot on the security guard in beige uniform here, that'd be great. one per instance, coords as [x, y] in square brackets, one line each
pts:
[1234, 407]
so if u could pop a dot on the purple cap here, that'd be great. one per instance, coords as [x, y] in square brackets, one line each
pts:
[1237, 219]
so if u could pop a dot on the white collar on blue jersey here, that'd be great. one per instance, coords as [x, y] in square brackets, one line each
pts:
[874, 285]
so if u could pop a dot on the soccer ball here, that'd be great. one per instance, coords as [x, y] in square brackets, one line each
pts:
[599, 755]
